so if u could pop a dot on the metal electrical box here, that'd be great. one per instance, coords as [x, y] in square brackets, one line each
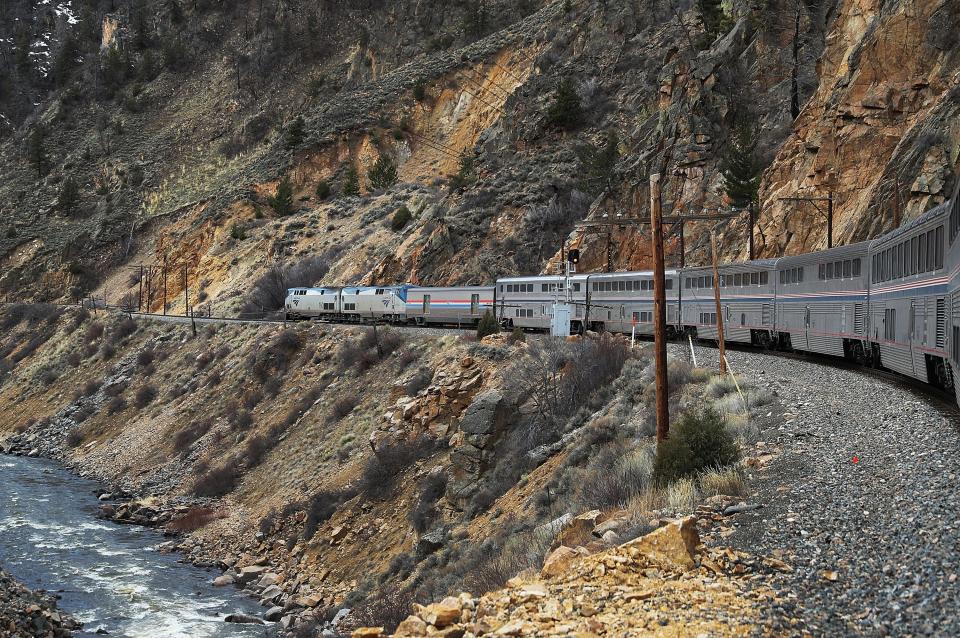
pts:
[560, 321]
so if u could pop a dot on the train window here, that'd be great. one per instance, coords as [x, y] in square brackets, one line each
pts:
[379, 291]
[544, 288]
[793, 275]
[686, 283]
[349, 306]
[907, 257]
[856, 267]
[847, 269]
[668, 284]
[630, 285]
[622, 286]
[576, 287]
[829, 269]
[931, 251]
[328, 306]
[822, 272]
[938, 243]
[501, 287]
[890, 324]
[708, 318]
[764, 278]
[737, 279]
[754, 279]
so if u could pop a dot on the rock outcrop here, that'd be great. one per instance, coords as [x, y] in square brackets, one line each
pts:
[26, 614]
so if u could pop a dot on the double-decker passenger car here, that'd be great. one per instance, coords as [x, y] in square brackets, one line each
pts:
[619, 301]
[822, 301]
[527, 302]
[953, 289]
[463, 305]
[747, 295]
[909, 278]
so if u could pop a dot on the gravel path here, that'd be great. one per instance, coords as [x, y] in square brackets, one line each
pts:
[863, 501]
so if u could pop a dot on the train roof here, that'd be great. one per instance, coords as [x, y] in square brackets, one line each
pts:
[770, 264]
[861, 248]
[940, 210]
[629, 273]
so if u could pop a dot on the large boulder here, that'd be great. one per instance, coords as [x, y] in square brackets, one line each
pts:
[486, 415]
[673, 546]
[558, 561]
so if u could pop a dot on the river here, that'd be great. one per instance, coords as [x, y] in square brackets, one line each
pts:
[109, 576]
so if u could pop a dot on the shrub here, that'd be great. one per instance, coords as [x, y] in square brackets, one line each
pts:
[487, 326]
[144, 395]
[343, 406]
[699, 442]
[184, 439]
[93, 332]
[69, 196]
[217, 482]
[295, 133]
[321, 507]
[383, 173]
[237, 232]
[145, 357]
[423, 511]
[323, 190]
[193, 519]
[88, 389]
[116, 404]
[74, 438]
[400, 219]
[124, 329]
[386, 608]
[115, 389]
[726, 481]
[383, 468]
[419, 92]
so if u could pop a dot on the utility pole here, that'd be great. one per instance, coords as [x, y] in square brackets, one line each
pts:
[659, 310]
[753, 222]
[140, 292]
[716, 299]
[186, 294]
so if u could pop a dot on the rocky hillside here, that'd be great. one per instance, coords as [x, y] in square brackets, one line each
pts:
[159, 133]
[331, 468]
[25, 614]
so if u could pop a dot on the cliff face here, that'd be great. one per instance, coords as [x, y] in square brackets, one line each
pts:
[177, 123]
[880, 131]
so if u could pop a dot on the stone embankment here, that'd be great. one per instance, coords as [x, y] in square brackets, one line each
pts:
[665, 583]
[28, 614]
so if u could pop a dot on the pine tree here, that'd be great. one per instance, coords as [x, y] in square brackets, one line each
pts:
[383, 173]
[597, 162]
[282, 202]
[566, 111]
[487, 326]
[69, 196]
[351, 182]
[295, 133]
[465, 174]
[36, 153]
[65, 61]
[711, 11]
[740, 168]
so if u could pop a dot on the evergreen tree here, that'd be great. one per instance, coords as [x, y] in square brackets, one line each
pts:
[69, 196]
[282, 202]
[465, 175]
[323, 190]
[740, 167]
[714, 20]
[113, 70]
[597, 163]
[295, 133]
[383, 173]
[36, 153]
[401, 218]
[65, 60]
[566, 110]
[351, 182]
[475, 19]
[487, 326]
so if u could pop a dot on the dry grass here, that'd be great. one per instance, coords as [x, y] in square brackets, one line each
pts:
[193, 519]
[726, 481]
[681, 496]
[721, 386]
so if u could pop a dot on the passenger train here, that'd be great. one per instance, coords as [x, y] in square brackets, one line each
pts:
[893, 302]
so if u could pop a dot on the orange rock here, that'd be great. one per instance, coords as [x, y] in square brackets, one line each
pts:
[673, 546]
[558, 561]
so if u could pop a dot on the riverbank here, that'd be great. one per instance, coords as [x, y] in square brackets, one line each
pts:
[28, 613]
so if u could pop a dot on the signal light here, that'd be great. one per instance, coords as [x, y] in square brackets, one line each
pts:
[574, 256]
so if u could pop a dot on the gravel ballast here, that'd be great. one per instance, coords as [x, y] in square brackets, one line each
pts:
[862, 501]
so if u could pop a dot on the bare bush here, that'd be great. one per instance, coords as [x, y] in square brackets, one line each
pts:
[144, 395]
[193, 519]
[184, 439]
[383, 468]
[343, 406]
[217, 482]
[386, 608]
[269, 292]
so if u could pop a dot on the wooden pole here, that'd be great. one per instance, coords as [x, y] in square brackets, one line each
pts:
[716, 299]
[164, 284]
[829, 219]
[659, 311]
[753, 221]
[140, 291]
